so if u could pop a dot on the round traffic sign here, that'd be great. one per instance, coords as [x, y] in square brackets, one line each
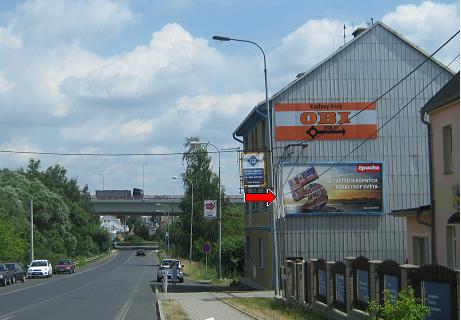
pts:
[206, 248]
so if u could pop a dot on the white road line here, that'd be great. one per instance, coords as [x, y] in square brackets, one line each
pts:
[10, 317]
[60, 278]
[62, 294]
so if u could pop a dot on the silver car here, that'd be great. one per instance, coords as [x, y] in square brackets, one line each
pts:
[165, 268]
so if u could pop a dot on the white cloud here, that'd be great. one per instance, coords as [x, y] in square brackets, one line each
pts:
[5, 85]
[9, 40]
[428, 25]
[42, 22]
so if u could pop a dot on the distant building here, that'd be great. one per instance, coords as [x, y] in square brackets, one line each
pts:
[443, 114]
[334, 196]
[112, 225]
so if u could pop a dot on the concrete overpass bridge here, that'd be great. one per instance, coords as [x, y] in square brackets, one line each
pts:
[146, 205]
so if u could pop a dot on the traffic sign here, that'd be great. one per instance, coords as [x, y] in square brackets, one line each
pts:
[209, 209]
[206, 248]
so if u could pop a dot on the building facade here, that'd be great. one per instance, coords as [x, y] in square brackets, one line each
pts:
[439, 244]
[350, 112]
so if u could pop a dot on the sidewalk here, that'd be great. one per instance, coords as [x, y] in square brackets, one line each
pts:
[205, 305]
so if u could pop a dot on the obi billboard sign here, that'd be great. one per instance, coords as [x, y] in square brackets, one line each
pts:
[325, 121]
[333, 189]
[209, 209]
[253, 171]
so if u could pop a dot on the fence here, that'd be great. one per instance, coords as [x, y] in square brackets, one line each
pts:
[342, 290]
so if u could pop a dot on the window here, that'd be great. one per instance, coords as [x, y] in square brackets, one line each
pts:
[247, 250]
[420, 250]
[447, 150]
[261, 253]
[452, 259]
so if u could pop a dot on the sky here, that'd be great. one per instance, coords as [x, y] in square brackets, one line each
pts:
[140, 76]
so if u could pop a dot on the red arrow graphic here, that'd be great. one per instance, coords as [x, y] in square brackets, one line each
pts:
[210, 206]
[268, 197]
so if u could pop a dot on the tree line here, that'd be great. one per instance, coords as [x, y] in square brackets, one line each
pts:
[65, 222]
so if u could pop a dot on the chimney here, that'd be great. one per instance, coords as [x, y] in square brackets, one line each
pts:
[358, 31]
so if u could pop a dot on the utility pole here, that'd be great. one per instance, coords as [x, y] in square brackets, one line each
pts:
[31, 229]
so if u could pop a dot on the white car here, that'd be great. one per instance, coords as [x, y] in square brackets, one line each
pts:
[40, 268]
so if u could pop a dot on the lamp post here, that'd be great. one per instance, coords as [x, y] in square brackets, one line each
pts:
[191, 215]
[167, 224]
[269, 120]
[100, 174]
[219, 200]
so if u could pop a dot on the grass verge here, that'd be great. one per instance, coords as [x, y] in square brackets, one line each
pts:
[271, 308]
[172, 310]
[83, 261]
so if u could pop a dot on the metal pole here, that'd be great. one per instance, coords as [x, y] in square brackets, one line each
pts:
[269, 119]
[143, 165]
[220, 214]
[168, 230]
[191, 221]
[31, 229]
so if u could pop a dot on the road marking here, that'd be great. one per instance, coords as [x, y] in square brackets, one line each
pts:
[62, 294]
[60, 278]
[127, 305]
[10, 317]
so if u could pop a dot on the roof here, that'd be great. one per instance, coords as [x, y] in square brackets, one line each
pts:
[411, 211]
[448, 93]
[250, 118]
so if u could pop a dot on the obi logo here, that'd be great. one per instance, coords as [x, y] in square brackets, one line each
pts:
[253, 161]
[322, 118]
[368, 167]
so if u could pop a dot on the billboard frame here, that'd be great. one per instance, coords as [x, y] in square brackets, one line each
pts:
[384, 211]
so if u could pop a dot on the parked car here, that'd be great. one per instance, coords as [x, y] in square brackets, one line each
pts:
[6, 276]
[18, 270]
[40, 268]
[165, 268]
[140, 252]
[64, 266]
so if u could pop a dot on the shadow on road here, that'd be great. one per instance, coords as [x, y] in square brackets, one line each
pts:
[199, 287]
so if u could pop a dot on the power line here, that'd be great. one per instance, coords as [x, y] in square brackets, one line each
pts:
[110, 154]
[404, 78]
[385, 123]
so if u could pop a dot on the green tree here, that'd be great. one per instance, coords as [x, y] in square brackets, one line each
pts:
[13, 247]
[405, 307]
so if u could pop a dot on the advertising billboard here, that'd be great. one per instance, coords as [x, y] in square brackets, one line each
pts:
[333, 189]
[209, 209]
[253, 169]
[325, 121]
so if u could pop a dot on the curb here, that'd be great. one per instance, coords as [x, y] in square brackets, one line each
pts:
[160, 314]
[238, 309]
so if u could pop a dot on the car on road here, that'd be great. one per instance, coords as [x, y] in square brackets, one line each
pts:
[165, 268]
[40, 268]
[140, 252]
[6, 276]
[64, 266]
[18, 270]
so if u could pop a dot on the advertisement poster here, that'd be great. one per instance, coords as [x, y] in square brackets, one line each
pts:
[362, 285]
[391, 283]
[436, 295]
[325, 121]
[253, 171]
[340, 288]
[209, 209]
[322, 282]
[327, 189]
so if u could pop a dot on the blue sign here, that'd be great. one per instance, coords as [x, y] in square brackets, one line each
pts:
[437, 296]
[391, 283]
[362, 286]
[340, 288]
[322, 283]
[253, 172]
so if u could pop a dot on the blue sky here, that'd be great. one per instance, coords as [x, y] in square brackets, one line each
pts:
[108, 76]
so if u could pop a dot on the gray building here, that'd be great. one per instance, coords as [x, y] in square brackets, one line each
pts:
[345, 83]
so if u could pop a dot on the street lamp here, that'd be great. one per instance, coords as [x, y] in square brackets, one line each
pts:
[100, 174]
[269, 120]
[219, 199]
[168, 222]
[191, 215]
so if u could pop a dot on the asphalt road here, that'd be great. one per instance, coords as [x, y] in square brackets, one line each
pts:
[119, 288]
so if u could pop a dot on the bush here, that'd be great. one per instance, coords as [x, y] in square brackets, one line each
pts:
[405, 307]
